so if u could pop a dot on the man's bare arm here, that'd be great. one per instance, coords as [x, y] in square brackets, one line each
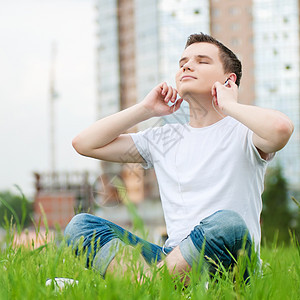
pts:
[272, 129]
[105, 139]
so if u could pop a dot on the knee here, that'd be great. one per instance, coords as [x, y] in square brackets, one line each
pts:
[235, 225]
[75, 225]
[225, 222]
[222, 232]
[224, 225]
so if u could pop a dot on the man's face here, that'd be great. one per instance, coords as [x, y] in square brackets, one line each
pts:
[199, 68]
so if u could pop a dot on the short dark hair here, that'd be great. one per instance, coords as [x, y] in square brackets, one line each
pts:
[230, 62]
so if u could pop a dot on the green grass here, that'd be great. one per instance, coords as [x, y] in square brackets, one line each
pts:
[24, 271]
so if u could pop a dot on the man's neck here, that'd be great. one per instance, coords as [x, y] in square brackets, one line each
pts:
[202, 113]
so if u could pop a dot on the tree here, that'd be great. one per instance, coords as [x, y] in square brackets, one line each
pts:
[16, 207]
[276, 216]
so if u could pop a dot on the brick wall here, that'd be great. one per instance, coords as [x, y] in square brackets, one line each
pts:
[58, 208]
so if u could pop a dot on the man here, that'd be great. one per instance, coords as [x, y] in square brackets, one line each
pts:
[210, 178]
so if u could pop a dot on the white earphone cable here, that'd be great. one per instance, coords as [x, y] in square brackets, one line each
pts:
[213, 105]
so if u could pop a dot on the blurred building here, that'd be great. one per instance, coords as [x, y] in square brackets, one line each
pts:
[231, 23]
[276, 50]
[141, 41]
[59, 196]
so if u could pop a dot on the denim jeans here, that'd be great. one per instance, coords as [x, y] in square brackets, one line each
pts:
[221, 235]
[102, 239]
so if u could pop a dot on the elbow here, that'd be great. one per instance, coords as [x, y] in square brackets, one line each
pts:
[77, 145]
[284, 130]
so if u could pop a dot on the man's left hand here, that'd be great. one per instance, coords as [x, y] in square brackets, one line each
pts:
[224, 95]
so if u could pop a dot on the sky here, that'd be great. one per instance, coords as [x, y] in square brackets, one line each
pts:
[28, 28]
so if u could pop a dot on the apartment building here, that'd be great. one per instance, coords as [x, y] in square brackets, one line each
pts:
[140, 42]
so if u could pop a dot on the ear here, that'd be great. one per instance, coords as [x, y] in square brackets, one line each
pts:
[232, 77]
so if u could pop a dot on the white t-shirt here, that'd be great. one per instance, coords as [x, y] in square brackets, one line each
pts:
[203, 170]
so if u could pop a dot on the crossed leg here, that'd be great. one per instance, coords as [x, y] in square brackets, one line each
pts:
[221, 236]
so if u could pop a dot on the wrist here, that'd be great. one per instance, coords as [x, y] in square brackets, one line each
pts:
[144, 112]
[229, 108]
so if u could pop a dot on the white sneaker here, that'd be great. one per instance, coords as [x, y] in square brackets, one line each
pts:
[60, 283]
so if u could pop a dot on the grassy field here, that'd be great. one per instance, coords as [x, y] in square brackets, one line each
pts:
[25, 269]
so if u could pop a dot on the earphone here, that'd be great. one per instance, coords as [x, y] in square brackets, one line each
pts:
[226, 82]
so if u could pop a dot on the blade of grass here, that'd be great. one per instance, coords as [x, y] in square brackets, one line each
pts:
[10, 208]
[24, 210]
[296, 201]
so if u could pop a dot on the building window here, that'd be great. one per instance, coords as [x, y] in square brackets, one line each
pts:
[216, 28]
[235, 26]
[234, 10]
[235, 41]
[265, 36]
[288, 67]
[285, 20]
[216, 12]
[272, 89]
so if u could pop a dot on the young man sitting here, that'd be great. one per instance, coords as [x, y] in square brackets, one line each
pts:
[210, 180]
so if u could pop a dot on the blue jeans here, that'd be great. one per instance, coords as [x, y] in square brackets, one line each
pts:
[220, 235]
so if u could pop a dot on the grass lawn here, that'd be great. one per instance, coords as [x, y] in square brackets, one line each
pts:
[25, 269]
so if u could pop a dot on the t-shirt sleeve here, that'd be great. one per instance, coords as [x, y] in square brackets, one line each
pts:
[141, 141]
[251, 150]
[154, 143]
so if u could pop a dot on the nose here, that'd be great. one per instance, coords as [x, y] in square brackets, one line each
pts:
[187, 66]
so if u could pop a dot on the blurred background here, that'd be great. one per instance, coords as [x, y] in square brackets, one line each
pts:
[66, 63]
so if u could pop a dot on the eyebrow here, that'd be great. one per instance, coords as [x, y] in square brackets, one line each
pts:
[197, 56]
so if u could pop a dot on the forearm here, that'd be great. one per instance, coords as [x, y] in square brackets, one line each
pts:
[109, 128]
[273, 127]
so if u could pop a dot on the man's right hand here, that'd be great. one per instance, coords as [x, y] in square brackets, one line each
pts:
[106, 140]
[156, 102]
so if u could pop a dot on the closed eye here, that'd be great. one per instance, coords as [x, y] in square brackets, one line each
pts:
[200, 62]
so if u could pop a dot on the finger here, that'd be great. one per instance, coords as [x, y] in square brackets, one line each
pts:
[164, 88]
[214, 90]
[216, 87]
[215, 100]
[169, 94]
[174, 96]
[231, 83]
[177, 104]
